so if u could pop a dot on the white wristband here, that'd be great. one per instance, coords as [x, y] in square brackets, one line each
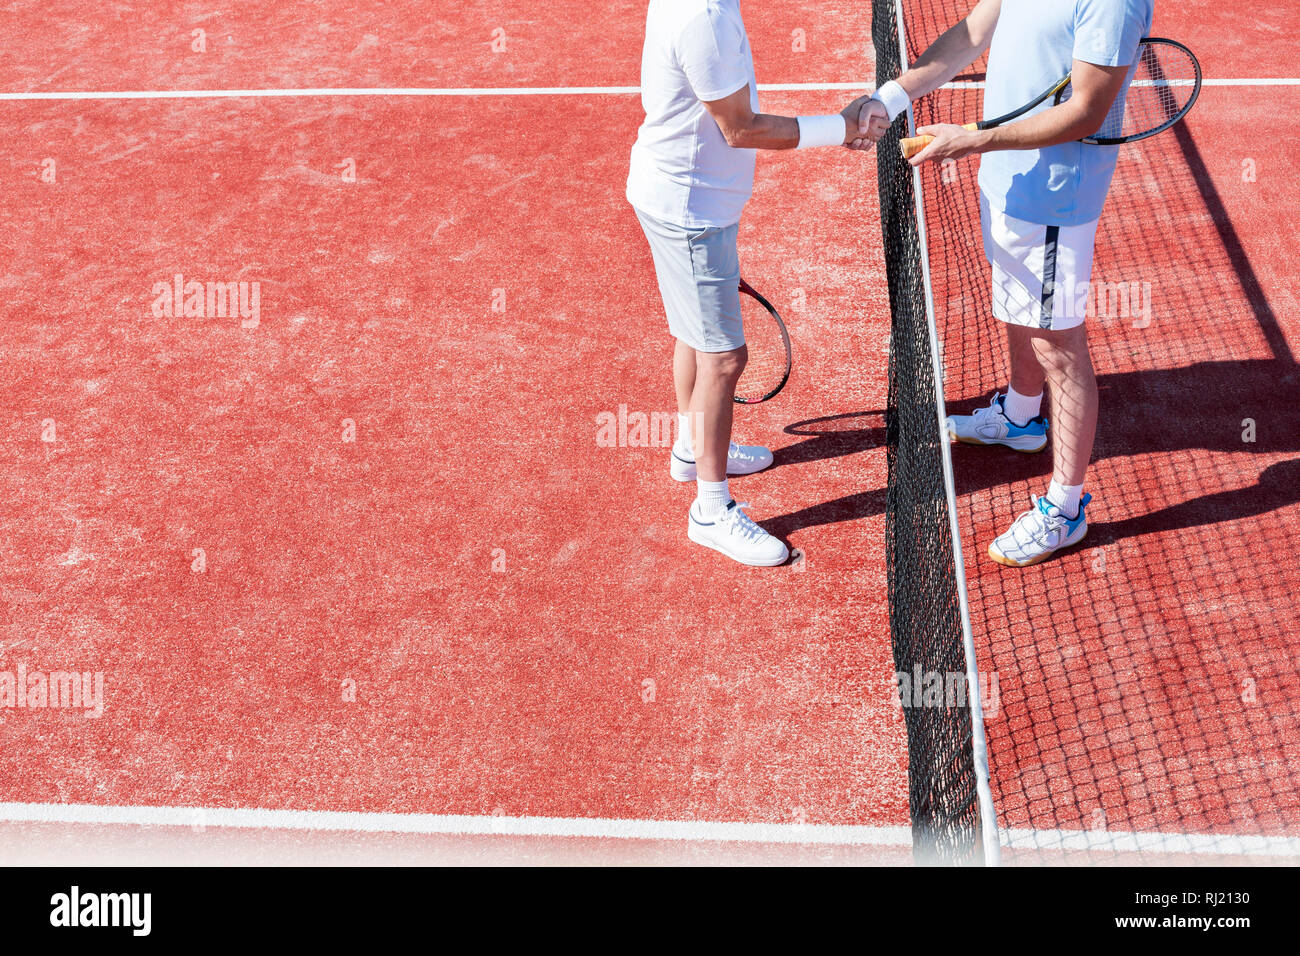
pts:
[829, 130]
[894, 98]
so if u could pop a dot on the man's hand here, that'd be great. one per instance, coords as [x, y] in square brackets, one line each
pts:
[867, 121]
[950, 142]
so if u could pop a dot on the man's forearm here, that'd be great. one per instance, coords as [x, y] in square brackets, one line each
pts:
[1060, 124]
[765, 131]
[959, 47]
[742, 128]
[946, 57]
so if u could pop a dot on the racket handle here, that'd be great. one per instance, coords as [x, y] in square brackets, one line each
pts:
[914, 144]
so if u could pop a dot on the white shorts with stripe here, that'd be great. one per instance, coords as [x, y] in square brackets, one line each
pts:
[1041, 274]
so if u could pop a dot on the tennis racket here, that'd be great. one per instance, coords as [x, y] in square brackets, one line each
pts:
[770, 358]
[1163, 87]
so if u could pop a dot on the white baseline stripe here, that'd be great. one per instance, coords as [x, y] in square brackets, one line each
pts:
[388, 91]
[323, 91]
[1244, 81]
[493, 91]
[690, 830]
[430, 823]
[1277, 81]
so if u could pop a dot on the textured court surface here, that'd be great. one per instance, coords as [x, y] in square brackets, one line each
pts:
[371, 554]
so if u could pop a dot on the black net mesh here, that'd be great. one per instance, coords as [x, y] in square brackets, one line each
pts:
[925, 621]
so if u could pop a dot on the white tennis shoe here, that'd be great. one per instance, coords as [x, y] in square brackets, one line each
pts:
[741, 460]
[735, 534]
[1038, 534]
[990, 426]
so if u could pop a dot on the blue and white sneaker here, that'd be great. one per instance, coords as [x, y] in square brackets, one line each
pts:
[990, 426]
[741, 460]
[735, 534]
[1038, 534]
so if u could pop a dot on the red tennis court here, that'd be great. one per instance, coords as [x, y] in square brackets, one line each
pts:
[361, 572]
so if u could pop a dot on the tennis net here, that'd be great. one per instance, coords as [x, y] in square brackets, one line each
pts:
[952, 816]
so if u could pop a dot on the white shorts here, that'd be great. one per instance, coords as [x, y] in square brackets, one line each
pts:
[699, 281]
[1041, 274]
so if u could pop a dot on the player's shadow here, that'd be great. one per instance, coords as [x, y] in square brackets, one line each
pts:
[848, 508]
[832, 436]
[1249, 406]
[1278, 486]
[822, 439]
[1209, 406]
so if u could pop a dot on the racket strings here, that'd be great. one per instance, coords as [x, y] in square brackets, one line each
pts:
[1163, 81]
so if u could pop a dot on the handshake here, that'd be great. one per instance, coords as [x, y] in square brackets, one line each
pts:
[867, 120]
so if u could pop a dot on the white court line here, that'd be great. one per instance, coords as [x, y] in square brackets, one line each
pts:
[495, 91]
[389, 91]
[433, 823]
[323, 91]
[1244, 81]
[595, 827]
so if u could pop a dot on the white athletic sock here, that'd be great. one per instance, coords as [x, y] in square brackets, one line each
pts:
[712, 497]
[683, 444]
[1065, 497]
[1021, 408]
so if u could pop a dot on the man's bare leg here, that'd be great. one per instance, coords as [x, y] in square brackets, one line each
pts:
[1058, 520]
[1068, 369]
[710, 408]
[716, 520]
[1027, 375]
[684, 385]
[683, 375]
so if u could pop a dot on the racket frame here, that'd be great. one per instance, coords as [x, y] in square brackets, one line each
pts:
[747, 289]
[1057, 90]
[1186, 108]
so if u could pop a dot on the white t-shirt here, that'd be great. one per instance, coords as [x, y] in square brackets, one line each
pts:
[683, 171]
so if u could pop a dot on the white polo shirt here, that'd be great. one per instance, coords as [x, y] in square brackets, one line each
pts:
[683, 172]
